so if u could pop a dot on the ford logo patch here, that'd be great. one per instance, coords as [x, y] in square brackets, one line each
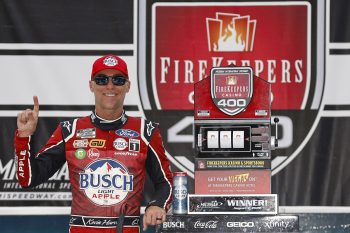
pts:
[127, 133]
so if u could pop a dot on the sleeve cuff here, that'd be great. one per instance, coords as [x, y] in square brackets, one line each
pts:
[153, 203]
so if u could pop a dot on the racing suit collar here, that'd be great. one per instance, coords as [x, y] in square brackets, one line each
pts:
[108, 124]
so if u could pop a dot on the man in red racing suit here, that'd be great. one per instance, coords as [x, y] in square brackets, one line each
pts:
[107, 160]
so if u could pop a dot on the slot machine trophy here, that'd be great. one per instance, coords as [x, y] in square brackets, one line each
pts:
[233, 143]
[233, 133]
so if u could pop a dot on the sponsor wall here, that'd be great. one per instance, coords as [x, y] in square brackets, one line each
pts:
[301, 47]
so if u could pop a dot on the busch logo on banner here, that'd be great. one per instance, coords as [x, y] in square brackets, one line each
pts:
[231, 88]
[106, 182]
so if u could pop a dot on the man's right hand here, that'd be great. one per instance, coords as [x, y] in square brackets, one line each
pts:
[28, 120]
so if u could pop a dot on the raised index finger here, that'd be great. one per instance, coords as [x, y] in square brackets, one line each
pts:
[36, 104]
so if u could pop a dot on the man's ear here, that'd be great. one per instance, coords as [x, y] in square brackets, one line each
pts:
[128, 86]
[91, 87]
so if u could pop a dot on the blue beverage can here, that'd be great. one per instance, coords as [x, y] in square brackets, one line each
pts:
[180, 193]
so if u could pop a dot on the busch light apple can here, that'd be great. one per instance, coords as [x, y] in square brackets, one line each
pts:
[180, 193]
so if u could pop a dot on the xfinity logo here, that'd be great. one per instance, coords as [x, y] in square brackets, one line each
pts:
[173, 225]
[277, 224]
[240, 224]
[203, 225]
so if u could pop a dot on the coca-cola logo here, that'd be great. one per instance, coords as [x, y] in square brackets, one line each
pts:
[206, 225]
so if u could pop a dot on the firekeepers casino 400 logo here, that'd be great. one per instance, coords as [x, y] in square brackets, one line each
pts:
[106, 182]
[273, 38]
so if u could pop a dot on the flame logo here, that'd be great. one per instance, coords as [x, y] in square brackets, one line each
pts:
[230, 33]
[231, 80]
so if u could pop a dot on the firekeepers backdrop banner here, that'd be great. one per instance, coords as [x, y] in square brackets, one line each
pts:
[301, 47]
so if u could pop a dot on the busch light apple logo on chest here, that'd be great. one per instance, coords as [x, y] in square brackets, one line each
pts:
[106, 182]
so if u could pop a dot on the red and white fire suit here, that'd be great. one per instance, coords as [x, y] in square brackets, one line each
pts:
[107, 162]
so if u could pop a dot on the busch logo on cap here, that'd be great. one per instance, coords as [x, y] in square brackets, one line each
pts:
[106, 182]
[110, 61]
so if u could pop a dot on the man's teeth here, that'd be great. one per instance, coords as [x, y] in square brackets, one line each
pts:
[109, 94]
